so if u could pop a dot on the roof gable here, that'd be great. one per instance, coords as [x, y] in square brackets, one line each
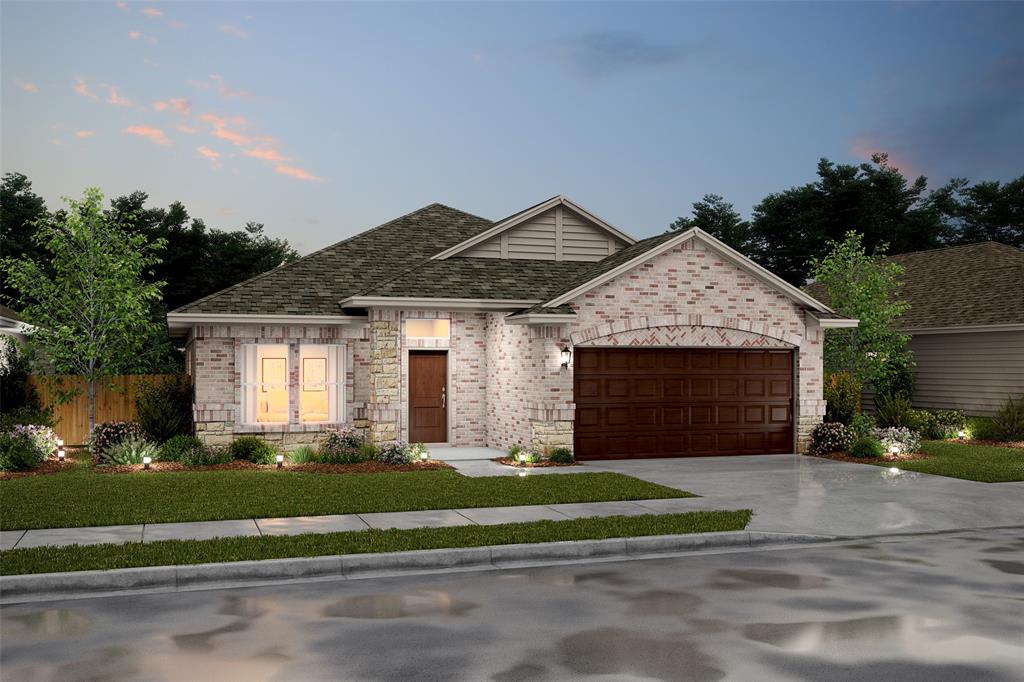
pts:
[556, 229]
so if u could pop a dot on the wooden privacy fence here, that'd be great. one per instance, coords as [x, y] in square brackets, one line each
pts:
[112, 404]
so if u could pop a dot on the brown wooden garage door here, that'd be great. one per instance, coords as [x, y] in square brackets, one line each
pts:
[674, 402]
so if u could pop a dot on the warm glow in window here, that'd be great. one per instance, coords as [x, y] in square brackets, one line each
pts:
[318, 384]
[427, 329]
[271, 384]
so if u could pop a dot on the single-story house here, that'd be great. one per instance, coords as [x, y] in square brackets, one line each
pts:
[548, 328]
[966, 322]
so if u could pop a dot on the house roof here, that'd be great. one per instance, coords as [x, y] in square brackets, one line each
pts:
[959, 286]
[8, 314]
[317, 283]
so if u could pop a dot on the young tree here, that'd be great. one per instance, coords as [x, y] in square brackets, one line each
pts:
[864, 287]
[717, 217]
[91, 306]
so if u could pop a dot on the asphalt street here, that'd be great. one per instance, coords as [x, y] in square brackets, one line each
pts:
[929, 608]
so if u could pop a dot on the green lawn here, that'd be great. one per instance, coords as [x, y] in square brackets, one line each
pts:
[972, 462]
[173, 552]
[82, 497]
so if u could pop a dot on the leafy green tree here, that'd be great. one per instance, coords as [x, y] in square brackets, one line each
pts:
[986, 211]
[794, 227]
[20, 208]
[717, 217]
[864, 287]
[91, 307]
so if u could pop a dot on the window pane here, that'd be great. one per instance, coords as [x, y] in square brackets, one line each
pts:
[317, 384]
[427, 329]
[272, 384]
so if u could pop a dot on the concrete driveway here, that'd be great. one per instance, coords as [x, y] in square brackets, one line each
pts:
[797, 494]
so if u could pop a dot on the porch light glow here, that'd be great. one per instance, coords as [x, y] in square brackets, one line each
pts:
[566, 356]
[280, 461]
[146, 462]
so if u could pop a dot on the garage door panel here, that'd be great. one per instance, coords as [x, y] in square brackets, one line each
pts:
[638, 402]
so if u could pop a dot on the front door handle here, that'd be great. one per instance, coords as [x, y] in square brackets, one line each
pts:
[442, 397]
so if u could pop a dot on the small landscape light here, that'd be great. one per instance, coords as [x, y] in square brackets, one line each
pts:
[566, 356]
[961, 434]
[424, 456]
[280, 461]
[60, 455]
[522, 458]
[146, 462]
[894, 449]
[60, 442]
[893, 470]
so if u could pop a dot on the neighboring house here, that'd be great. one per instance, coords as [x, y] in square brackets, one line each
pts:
[12, 325]
[547, 328]
[966, 322]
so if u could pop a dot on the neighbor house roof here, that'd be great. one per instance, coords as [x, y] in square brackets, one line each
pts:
[959, 286]
[317, 283]
[8, 314]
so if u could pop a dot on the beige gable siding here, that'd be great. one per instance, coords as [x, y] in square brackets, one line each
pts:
[557, 234]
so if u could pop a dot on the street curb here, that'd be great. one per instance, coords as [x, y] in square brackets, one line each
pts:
[49, 586]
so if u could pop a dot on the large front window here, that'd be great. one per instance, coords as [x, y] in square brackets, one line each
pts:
[268, 384]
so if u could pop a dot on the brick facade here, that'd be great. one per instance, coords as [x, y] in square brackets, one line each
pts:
[506, 382]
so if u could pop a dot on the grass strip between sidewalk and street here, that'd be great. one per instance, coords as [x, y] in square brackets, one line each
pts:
[983, 463]
[178, 552]
[81, 497]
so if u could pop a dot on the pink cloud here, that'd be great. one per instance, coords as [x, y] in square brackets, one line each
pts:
[151, 12]
[139, 35]
[28, 86]
[232, 136]
[864, 146]
[227, 92]
[154, 135]
[114, 98]
[265, 154]
[185, 129]
[210, 155]
[85, 133]
[234, 31]
[297, 173]
[178, 105]
[82, 89]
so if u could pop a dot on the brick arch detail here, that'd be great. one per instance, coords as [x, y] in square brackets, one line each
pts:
[591, 334]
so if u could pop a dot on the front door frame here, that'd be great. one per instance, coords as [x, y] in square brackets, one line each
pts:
[449, 411]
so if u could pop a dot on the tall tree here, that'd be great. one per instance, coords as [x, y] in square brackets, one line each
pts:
[717, 217]
[20, 208]
[91, 309]
[986, 211]
[865, 287]
[793, 227]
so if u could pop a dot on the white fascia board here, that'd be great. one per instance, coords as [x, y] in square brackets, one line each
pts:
[477, 304]
[845, 323]
[523, 217]
[185, 320]
[540, 318]
[726, 251]
[976, 329]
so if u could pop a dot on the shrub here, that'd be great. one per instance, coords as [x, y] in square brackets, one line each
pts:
[1008, 423]
[416, 452]
[831, 437]
[393, 453]
[939, 425]
[895, 410]
[106, 435]
[178, 448]
[982, 428]
[867, 447]
[304, 454]
[252, 449]
[906, 440]
[842, 391]
[207, 456]
[340, 446]
[26, 415]
[42, 437]
[562, 456]
[513, 452]
[163, 408]
[863, 424]
[19, 399]
[367, 451]
[18, 452]
[898, 382]
[129, 450]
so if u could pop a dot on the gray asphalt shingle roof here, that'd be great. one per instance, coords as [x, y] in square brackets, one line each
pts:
[959, 286]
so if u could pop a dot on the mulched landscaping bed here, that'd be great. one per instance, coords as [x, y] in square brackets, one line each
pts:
[312, 468]
[509, 461]
[846, 457]
[51, 465]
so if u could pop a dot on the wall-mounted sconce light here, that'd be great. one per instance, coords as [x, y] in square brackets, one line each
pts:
[566, 356]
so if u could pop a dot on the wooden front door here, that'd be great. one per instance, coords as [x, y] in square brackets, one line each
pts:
[428, 399]
[665, 402]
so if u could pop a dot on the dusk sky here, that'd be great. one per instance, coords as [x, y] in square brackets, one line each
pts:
[324, 119]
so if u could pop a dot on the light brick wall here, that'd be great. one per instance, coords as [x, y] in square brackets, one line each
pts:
[217, 350]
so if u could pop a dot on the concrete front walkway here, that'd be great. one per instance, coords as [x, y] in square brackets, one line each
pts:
[205, 530]
[799, 494]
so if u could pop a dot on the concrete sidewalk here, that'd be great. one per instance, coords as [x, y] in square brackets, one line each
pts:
[205, 530]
